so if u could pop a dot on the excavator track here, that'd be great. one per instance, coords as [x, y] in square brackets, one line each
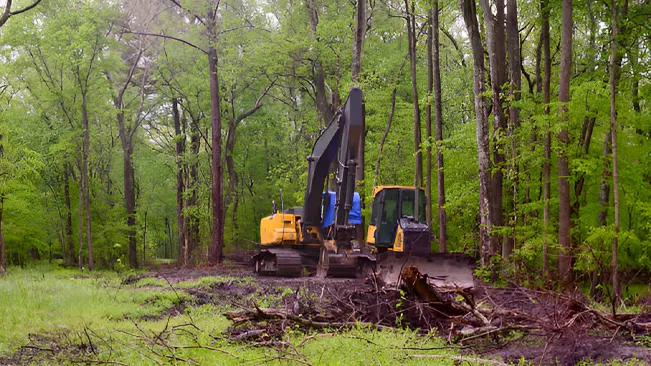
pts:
[281, 262]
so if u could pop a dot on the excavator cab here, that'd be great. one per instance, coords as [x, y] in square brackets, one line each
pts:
[393, 226]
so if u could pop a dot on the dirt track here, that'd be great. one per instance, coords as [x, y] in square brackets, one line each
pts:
[562, 335]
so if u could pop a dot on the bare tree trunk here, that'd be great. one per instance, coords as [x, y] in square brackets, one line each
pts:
[604, 188]
[216, 249]
[358, 42]
[325, 109]
[513, 45]
[84, 174]
[614, 79]
[564, 220]
[70, 258]
[191, 222]
[230, 166]
[358, 49]
[481, 114]
[180, 145]
[546, 86]
[129, 188]
[428, 116]
[438, 117]
[411, 35]
[80, 211]
[3, 250]
[495, 41]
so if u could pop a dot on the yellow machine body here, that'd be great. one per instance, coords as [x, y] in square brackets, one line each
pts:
[284, 228]
[389, 204]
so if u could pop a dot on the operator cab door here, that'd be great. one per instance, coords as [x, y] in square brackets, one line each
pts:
[385, 217]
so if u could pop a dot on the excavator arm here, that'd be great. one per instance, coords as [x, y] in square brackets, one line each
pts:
[339, 140]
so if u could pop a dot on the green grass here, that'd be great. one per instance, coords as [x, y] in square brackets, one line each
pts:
[208, 281]
[150, 282]
[125, 322]
[41, 300]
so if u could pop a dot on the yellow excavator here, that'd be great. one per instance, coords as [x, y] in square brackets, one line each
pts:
[326, 234]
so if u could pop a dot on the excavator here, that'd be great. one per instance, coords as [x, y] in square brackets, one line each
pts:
[325, 236]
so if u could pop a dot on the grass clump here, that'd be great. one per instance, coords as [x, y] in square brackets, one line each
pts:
[208, 281]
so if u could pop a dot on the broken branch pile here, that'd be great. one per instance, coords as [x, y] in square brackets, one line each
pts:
[460, 315]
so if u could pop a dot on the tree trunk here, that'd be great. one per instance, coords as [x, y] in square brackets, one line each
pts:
[80, 211]
[411, 35]
[481, 114]
[324, 108]
[564, 221]
[546, 86]
[438, 118]
[217, 245]
[129, 188]
[358, 48]
[230, 165]
[3, 250]
[513, 45]
[358, 41]
[84, 174]
[191, 222]
[428, 116]
[614, 79]
[495, 41]
[180, 146]
[604, 188]
[71, 259]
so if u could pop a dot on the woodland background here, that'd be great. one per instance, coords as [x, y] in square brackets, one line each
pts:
[126, 126]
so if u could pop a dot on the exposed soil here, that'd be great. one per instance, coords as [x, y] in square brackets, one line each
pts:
[563, 335]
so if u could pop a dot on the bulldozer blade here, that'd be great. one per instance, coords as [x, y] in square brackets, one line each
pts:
[441, 269]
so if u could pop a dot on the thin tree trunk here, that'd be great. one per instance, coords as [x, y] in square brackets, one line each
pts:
[428, 115]
[411, 35]
[86, 190]
[604, 188]
[614, 79]
[469, 11]
[180, 145]
[546, 85]
[216, 248]
[324, 108]
[539, 58]
[438, 117]
[191, 222]
[144, 241]
[513, 45]
[358, 48]
[495, 41]
[564, 220]
[80, 211]
[70, 258]
[3, 250]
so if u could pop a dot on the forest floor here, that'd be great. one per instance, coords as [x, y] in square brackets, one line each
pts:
[226, 315]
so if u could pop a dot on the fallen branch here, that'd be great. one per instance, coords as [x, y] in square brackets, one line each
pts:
[241, 316]
[473, 360]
